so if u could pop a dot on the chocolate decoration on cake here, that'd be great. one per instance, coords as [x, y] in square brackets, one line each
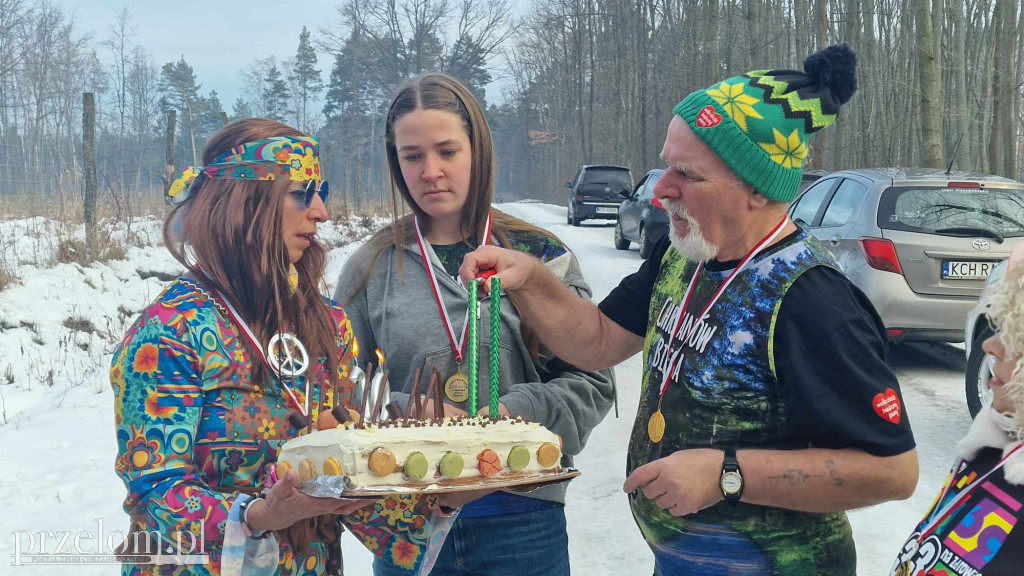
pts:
[297, 420]
[414, 398]
[341, 414]
[431, 388]
[366, 389]
[438, 399]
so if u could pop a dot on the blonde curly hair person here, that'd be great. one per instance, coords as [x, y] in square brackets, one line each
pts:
[972, 522]
[1005, 308]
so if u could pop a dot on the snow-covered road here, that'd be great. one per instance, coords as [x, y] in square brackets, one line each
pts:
[57, 459]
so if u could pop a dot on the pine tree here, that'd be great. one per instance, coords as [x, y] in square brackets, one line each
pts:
[211, 116]
[351, 79]
[305, 78]
[241, 109]
[275, 95]
[181, 91]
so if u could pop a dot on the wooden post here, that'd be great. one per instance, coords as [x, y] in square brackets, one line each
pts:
[172, 122]
[89, 153]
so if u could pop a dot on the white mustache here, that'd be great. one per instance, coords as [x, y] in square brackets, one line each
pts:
[695, 245]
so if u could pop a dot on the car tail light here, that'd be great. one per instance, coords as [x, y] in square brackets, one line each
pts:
[894, 332]
[579, 196]
[881, 254]
[657, 203]
[963, 185]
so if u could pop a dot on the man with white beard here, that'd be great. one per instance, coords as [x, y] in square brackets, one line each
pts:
[767, 409]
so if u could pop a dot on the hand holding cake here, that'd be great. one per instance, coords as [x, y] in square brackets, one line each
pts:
[284, 506]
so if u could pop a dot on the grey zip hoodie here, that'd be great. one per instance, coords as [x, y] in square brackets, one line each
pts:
[397, 313]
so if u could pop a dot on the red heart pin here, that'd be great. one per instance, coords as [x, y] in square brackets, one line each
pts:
[708, 118]
[887, 405]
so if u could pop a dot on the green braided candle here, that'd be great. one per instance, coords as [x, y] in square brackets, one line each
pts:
[471, 406]
[495, 355]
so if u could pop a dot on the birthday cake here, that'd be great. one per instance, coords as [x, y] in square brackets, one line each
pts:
[418, 454]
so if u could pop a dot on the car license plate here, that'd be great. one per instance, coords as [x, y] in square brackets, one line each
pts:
[607, 210]
[966, 270]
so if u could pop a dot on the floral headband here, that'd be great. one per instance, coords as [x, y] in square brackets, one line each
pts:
[280, 158]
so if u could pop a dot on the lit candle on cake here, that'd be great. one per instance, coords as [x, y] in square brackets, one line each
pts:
[374, 391]
[356, 374]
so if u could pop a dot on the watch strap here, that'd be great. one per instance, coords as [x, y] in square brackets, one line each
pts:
[730, 465]
[243, 517]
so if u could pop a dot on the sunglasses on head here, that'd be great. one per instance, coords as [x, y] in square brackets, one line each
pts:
[306, 192]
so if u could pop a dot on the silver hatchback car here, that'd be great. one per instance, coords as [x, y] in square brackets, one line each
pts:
[919, 242]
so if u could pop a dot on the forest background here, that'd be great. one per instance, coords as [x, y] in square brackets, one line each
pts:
[564, 82]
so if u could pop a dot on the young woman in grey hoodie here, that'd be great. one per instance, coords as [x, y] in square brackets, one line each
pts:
[402, 296]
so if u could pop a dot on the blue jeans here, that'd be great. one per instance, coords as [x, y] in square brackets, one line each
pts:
[526, 544]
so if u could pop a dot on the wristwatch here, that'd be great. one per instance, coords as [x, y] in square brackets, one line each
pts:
[243, 517]
[731, 481]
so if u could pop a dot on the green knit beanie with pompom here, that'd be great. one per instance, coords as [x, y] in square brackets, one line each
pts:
[759, 123]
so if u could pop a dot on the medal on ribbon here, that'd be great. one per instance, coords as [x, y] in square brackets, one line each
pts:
[456, 387]
[656, 423]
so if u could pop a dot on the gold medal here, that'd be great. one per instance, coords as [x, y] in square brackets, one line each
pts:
[906, 568]
[656, 427]
[456, 388]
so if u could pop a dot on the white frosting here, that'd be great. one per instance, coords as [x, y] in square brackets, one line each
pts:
[351, 446]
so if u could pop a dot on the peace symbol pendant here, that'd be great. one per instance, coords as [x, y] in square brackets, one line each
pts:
[287, 356]
[656, 427]
[456, 387]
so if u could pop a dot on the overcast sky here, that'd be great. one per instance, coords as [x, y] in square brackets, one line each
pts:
[218, 39]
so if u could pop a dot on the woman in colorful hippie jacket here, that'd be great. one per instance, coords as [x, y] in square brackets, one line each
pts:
[402, 295]
[200, 411]
[972, 525]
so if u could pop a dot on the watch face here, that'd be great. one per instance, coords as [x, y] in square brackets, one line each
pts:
[732, 483]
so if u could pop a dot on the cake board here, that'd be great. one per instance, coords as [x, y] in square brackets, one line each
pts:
[341, 486]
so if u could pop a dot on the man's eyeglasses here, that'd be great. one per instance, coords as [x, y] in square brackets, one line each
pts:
[305, 194]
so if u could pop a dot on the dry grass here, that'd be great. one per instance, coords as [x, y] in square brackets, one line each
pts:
[7, 277]
[55, 222]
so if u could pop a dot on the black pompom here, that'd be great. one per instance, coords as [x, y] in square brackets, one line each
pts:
[834, 67]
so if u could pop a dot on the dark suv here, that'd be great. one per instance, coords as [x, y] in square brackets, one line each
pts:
[595, 193]
[641, 219]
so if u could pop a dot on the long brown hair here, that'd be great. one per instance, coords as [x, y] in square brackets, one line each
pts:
[436, 91]
[227, 233]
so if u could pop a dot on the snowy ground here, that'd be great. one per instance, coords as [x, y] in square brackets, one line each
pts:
[57, 331]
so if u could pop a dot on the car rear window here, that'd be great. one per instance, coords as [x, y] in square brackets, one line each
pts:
[927, 209]
[614, 178]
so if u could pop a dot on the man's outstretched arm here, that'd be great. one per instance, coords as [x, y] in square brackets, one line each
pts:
[809, 480]
[571, 327]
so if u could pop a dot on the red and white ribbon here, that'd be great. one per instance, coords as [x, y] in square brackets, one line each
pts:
[237, 319]
[757, 249]
[460, 345]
